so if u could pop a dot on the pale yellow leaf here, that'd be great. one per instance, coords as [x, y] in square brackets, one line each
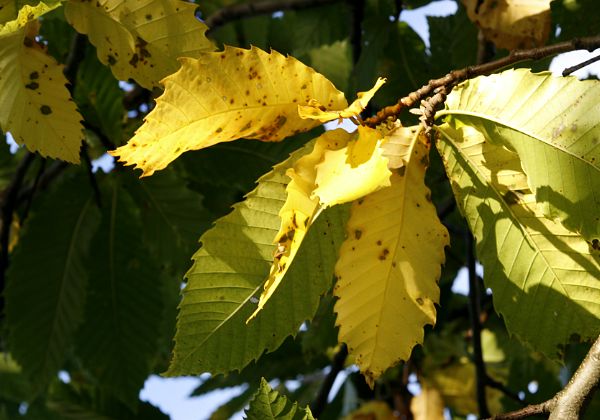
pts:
[315, 110]
[35, 106]
[512, 24]
[322, 179]
[428, 405]
[140, 39]
[225, 96]
[352, 172]
[389, 265]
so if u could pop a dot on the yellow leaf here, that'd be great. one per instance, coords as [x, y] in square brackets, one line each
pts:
[225, 96]
[140, 39]
[322, 179]
[389, 265]
[35, 105]
[347, 174]
[372, 410]
[428, 405]
[315, 110]
[512, 24]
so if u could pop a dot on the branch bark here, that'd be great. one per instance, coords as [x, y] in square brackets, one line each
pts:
[453, 78]
[239, 11]
[570, 402]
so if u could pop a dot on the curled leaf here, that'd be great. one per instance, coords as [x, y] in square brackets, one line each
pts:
[316, 111]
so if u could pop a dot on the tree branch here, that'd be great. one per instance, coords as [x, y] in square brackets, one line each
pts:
[579, 66]
[568, 403]
[318, 405]
[239, 11]
[453, 78]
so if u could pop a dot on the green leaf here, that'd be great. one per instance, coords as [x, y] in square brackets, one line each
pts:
[228, 274]
[47, 279]
[14, 386]
[119, 337]
[543, 277]
[268, 404]
[548, 121]
[227, 410]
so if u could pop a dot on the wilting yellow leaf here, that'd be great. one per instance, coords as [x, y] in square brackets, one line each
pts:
[428, 405]
[354, 171]
[389, 264]
[315, 110]
[224, 96]
[35, 105]
[140, 39]
[512, 24]
[340, 183]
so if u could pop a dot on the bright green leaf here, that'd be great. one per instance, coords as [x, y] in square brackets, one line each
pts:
[551, 123]
[267, 404]
[544, 278]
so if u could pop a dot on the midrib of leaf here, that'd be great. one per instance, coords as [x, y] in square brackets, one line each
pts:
[239, 307]
[516, 224]
[513, 128]
[111, 253]
[72, 247]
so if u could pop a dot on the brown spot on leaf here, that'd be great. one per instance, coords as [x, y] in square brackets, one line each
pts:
[384, 254]
[420, 301]
[111, 60]
[357, 233]
[32, 85]
[34, 75]
[45, 109]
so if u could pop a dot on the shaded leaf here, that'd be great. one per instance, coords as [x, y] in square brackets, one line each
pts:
[268, 404]
[228, 274]
[118, 340]
[226, 96]
[428, 405]
[45, 299]
[141, 41]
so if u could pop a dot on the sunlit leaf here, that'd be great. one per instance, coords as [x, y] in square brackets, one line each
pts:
[389, 265]
[512, 24]
[225, 96]
[550, 123]
[315, 110]
[35, 104]
[544, 277]
[341, 168]
[140, 40]
[268, 404]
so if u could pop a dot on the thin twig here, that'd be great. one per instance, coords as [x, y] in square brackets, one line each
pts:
[579, 66]
[75, 57]
[9, 205]
[243, 10]
[530, 410]
[318, 405]
[85, 156]
[474, 313]
[453, 78]
[492, 383]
